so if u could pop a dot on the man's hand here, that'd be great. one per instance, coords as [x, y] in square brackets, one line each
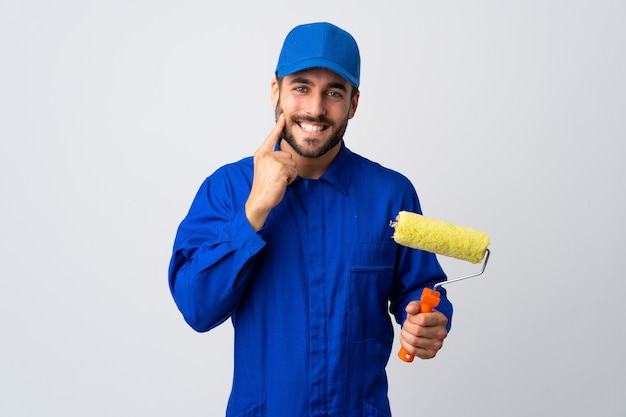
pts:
[423, 333]
[273, 172]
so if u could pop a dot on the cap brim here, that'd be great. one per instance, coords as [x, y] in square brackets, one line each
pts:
[317, 63]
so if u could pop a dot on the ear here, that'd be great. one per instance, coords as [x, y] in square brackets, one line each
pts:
[354, 103]
[275, 92]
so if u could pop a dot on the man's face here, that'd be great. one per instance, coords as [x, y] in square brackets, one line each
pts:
[317, 105]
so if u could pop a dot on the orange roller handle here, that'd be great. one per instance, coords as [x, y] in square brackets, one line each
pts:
[428, 301]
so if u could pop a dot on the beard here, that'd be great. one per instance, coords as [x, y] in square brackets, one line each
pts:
[329, 144]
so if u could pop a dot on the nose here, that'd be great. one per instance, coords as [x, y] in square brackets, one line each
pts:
[316, 105]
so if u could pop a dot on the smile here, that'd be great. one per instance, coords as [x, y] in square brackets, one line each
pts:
[312, 128]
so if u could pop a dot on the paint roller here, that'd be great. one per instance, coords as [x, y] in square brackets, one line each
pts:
[419, 232]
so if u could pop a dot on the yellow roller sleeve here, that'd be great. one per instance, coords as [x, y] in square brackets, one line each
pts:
[436, 236]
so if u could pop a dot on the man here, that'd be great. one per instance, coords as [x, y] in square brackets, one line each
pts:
[294, 246]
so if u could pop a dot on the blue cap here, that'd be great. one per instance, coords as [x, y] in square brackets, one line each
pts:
[320, 45]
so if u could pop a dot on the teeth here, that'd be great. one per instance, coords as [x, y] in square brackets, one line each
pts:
[311, 128]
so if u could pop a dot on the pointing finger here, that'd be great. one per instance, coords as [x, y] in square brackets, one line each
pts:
[272, 138]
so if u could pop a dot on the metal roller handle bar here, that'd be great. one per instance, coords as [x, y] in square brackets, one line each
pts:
[442, 283]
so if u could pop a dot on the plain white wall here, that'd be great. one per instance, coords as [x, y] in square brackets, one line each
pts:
[508, 116]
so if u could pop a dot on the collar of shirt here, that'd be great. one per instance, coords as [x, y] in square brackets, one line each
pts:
[339, 172]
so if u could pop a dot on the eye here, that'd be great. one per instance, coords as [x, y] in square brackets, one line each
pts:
[301, 89]
[335, 94]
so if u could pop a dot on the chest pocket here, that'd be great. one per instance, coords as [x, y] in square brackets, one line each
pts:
[371, 279]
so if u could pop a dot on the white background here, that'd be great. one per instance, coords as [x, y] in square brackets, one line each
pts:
[508, 116]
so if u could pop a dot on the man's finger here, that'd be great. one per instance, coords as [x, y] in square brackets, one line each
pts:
[413, 308]
[272, 138]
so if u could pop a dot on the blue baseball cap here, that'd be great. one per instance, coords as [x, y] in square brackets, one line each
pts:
[320, 45]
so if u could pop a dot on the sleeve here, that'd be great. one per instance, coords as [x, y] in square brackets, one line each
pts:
[418, 270]
[415, 271]
[213, 252]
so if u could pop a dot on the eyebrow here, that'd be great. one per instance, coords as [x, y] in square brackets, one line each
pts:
[304, 80]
